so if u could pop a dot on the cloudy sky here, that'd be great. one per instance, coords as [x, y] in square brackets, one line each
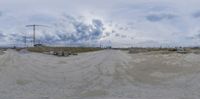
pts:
[120, 23]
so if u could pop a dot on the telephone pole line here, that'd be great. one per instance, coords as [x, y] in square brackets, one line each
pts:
[34, 31]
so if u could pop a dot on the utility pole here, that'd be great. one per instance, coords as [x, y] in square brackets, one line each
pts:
[34, 30]
[25, 41]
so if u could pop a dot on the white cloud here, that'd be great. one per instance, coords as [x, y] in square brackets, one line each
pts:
[154, 21]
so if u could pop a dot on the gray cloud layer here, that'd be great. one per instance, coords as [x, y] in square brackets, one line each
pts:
[160, 17]
[80, 31]
[101, 21]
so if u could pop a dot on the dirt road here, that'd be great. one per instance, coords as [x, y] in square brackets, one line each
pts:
[107, 74]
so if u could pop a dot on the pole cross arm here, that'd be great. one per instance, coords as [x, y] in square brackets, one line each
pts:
[34, 30]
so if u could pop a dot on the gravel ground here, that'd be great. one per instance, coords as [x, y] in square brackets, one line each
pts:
[108, 74]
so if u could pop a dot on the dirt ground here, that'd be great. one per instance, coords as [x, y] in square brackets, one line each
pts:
[107, 74]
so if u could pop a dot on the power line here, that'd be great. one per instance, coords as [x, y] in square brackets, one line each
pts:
[34, 31]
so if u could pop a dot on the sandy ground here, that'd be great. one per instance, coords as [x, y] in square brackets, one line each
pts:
[105, 74]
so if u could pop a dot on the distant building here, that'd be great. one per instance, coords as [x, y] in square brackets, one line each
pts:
[181, 50]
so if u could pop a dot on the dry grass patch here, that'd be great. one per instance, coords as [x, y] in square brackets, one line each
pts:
[65, 49]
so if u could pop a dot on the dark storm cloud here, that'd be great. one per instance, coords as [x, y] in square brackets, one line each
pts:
[121, 28]
[117, 35]
[108, 34]
[1, 13]
[123, 36]
[19, 38]
[113, 31]
[81, 30]
[15, 37]
[197, 14]
[2, 35]
[48, 39]
[132, 38]
[160, 17]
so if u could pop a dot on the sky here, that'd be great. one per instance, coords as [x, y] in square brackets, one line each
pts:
[117, 23]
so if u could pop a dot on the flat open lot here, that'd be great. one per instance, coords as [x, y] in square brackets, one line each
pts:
[108, 74]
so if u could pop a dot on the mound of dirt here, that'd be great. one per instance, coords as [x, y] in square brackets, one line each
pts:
[1, 52]
[23, 51]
